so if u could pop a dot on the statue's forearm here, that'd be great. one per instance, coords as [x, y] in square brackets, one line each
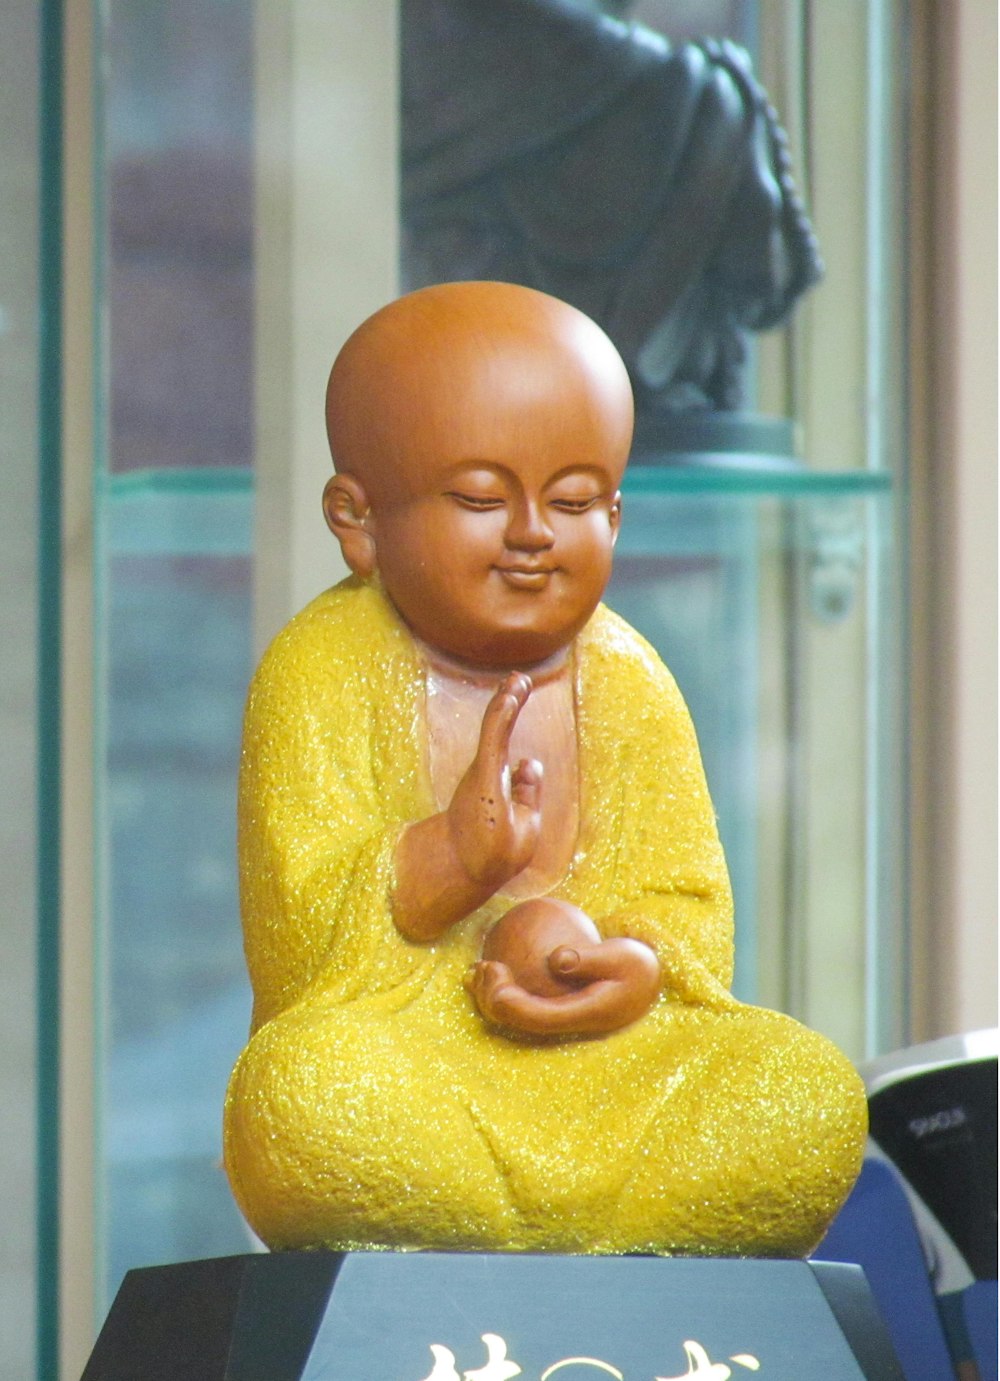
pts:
[433, 890]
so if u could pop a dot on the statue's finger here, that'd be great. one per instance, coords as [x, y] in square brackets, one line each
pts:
[564, 961]
[586, 963]
[501, 716]
[526, 783]
[490, 974]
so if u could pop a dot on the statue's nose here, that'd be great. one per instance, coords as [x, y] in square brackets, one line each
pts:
[528, 528]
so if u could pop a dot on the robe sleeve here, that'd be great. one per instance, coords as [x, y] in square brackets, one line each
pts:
[317, 831]
[670, 884]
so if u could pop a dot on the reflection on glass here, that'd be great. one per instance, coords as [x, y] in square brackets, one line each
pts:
[179, 660]
[176, 579]
[686, 575]
[179, 264]
[763, 601]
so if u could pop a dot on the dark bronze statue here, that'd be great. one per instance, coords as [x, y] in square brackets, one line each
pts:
[649, 185]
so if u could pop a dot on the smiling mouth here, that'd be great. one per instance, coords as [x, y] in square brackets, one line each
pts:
[526, 577]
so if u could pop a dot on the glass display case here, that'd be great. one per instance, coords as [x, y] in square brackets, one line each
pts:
[770, 587]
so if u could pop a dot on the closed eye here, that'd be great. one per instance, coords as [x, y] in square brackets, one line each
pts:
[479, 503]
[575, 505]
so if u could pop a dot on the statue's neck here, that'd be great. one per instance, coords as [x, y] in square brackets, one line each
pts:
[454, 669]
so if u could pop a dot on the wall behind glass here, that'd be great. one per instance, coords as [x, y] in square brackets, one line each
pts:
[233, 211]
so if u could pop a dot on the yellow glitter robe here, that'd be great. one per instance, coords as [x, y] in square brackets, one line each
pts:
[373, 1107]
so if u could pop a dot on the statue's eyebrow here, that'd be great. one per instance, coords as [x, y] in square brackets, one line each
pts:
[490, 467]
[592, 472]
[507, 475]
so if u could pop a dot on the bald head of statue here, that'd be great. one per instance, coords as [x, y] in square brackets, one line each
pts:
[463, 404]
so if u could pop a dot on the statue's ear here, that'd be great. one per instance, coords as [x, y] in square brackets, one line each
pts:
[347, 511]
[615, 516]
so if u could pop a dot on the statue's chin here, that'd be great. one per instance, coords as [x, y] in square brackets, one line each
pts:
[504, 647]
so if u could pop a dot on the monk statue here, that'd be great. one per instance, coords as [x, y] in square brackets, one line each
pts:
[487, 916]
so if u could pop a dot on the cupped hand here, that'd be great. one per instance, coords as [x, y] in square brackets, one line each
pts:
[608, 986]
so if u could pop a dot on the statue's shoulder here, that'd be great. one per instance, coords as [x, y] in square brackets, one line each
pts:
[347, 631]
[619, 670]
[610, 646]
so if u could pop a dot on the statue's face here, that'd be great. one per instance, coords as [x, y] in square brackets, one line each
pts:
[499, 561]
[480, 432]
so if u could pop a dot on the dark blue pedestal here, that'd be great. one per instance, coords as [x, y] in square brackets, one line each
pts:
[324, 1316]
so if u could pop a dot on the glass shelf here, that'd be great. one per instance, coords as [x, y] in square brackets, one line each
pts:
[180, 512]
[722, 473]
[189, 512]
